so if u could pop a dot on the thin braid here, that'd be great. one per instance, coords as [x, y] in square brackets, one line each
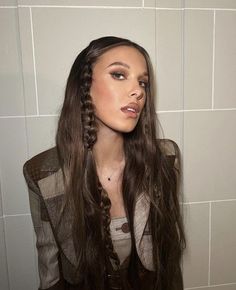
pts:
[106, 218]
[89, 138]
[88, 118]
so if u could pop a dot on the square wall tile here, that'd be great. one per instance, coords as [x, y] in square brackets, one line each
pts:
[210, 4]
[27, 61]
[8, 2]
[11, 94]
[195, 269]
[41, 132]
[53, 64]
[225, 60]
[13, 153]
[171, 127]
[20, 252]
[198, 50]
[223, 242]
[4, 285]
[209, 150]
[119, 3]
[169, 59]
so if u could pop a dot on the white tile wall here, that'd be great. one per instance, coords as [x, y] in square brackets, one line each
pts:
[13, 153]
[20, 252]
[192, 45]
[11, 92]
[1, 211]
[223, 237]
[196, 258]
[4, 281]
[209, 147]
[225, 56]
[38, 127]
[198, 46]
[226, 4]
[169, 59]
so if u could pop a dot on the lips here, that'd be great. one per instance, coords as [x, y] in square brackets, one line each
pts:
[132, 109]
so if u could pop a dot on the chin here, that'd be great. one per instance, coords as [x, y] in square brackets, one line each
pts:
[127, 129]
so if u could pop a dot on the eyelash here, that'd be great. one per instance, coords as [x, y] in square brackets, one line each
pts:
[143, 84]
[117, 75]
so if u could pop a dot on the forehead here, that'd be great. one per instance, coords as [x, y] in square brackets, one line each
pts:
[126, 54]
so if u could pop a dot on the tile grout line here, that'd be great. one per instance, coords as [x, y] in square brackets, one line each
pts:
[34, 65]
[183, 36]
[213, 61]
[209, 247]
[209, 201]
[8, 7]
[209, 286]
[16, 215]
[6, 253]
[23, 82]
[121, 7]
[84, 7]
[4, 235]
[29, 116]
[223, 9]
[196, 110]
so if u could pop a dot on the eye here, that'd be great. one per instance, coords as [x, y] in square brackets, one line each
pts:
[143, 84]
[118, 75]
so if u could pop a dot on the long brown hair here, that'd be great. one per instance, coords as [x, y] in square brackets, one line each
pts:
[148, 169]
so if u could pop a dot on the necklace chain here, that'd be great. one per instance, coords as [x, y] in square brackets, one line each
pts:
[110, 176]
[115, 170]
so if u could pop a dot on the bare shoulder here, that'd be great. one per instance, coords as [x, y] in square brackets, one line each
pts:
[40, 166]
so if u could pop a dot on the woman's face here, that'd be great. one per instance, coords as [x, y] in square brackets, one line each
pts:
[118, 88]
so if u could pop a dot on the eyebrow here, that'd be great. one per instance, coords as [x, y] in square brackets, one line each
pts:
[123, 64]
[119, 63]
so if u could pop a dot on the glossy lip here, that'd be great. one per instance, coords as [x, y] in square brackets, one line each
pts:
[133, 106]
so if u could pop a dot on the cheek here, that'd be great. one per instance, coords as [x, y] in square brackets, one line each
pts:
[104, 95]
[97, 92]
[101, 92]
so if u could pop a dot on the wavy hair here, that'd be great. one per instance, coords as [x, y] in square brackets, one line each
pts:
[147, 169]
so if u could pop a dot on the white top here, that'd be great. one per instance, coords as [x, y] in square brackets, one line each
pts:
[121, 237]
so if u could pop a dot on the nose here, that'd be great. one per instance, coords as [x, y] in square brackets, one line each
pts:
[136, 93]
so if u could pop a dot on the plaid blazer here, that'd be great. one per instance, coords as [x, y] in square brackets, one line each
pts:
[56, 253]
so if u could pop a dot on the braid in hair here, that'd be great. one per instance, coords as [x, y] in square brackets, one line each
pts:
[89, 139]
[106, 218]
[88, 118]
[109, 249]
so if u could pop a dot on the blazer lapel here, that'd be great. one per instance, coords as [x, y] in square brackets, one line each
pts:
[142, 234]
[141, 214]
[52, 190]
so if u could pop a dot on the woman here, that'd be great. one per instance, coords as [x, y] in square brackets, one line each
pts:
[104, 201]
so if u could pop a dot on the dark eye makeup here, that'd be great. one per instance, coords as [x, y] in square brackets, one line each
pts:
[118, 75]
[143, 84]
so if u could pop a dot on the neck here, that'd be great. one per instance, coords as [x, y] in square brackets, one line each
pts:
[108, 149]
